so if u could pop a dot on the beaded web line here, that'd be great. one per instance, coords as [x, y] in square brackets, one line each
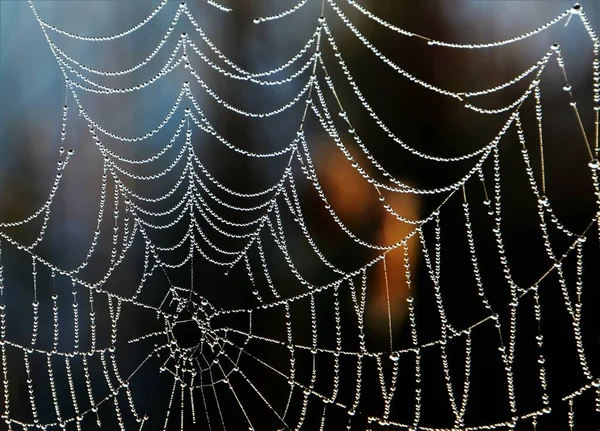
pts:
[95, 389]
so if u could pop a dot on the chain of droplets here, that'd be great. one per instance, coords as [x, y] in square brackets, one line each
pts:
[5, 381]
[267, 205]
[199, 204]
[135, 67]
[60, 422]
[186, 174]
[506, 108]
[313, 376]
[44, 209]
[386, 129]
[44, 24]
[414, 338]
[219, 6]
[95, 286]
[195, 245]
[596, 97]
[432, 269]
[529, 169]
[296, 210]
[539, 66]
[328, 125]
[265, 268]
[434, 272]
[204, 125]
[333, 133]
[474, 259]
[281, 243]
[96, 127]
[287, 12]
[338, 345]
[203, 235]
[231, 64]
[385, 59]
[271, 201]
[1, 276]
[97, 88]
[576, 311]
[533, 86]
[594, 385]
[202, 206]
[46, 219]
[128, 193]
[403, 187]
[530, 173]
[251, 78]
[70, 273]
[226, 189]
[387, 393]
[508, 355]
[311, 175]
[208, 241]
[53, 389]
[576, 10]
[541, 359]
[179, 244]
[279, 238]
[171, 223]
[168, 67]
[596, 184]
[315, 289]
[573, 11]
[395, 355]
[460, 415]
[245, 113]
[150, 177]
[561, 63]
[359, 302]
[505, 41]
[107, 152]
[450, 188]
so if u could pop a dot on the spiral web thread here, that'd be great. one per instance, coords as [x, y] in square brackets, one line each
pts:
[94, 387]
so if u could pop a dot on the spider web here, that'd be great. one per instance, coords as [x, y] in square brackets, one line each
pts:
[197, 305]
